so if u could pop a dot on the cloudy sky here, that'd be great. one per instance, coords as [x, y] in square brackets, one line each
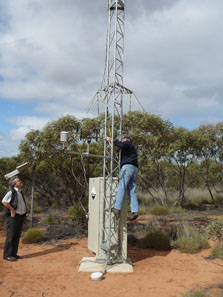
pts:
[52, 55]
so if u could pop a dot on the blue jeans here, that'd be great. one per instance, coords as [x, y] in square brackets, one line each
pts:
[127, 180]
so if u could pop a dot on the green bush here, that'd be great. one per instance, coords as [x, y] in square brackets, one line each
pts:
[36, 207]
[55, 205]
[165, 210]
[219, 199]
[200, 293]
[176, 210]
[33, 235]
[217, 251]
[49, 220]
[156, 239]
[77, 214]
[159, 210]
[143, 210]
[191, 244]
[215, 230]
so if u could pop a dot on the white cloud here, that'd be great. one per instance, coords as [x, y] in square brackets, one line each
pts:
[52, 54]
[179, 51]
[48, 52]
[8, 146]
[10, 141]
[18, 133]
[29, 122]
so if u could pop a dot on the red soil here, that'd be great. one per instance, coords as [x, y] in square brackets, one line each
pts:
[51, 271]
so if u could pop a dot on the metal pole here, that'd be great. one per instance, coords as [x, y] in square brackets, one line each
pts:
[32, 195]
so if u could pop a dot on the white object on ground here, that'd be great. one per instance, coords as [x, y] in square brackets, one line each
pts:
[96, 275]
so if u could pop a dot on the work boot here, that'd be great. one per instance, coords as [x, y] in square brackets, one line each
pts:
[133, 216]
[10, 258]
[115, 211]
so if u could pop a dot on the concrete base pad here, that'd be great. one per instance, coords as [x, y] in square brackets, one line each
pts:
[89, 264]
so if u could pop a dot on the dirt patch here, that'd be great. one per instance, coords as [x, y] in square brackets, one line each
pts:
[51, 270]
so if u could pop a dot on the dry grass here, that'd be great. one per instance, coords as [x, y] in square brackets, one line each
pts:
[33, 235]
[194, 197]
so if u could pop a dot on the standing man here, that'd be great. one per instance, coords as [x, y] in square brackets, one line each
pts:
[127, 177]
[15, 210]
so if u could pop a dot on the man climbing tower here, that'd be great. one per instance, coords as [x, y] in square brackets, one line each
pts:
[127, 177]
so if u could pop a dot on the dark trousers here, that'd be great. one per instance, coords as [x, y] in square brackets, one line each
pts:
[13, 233]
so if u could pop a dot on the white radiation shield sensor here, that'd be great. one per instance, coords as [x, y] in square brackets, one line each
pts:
[63, 136]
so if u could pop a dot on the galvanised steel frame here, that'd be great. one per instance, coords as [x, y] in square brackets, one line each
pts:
[111, 94]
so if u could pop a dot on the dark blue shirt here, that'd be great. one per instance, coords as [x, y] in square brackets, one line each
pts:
[128, 152]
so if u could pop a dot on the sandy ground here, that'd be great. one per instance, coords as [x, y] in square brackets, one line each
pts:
[52, 270]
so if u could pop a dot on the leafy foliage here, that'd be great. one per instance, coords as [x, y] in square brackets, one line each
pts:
[36, 207]
[217, 251]
[197, 293]
[191, 244]
[33, 235]
[171, 160]
[49, 220]
[77, 214]
[215, 230]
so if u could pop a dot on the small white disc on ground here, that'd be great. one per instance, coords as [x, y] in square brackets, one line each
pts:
[96, 275]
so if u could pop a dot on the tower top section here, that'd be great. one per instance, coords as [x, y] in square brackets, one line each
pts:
[112, 4]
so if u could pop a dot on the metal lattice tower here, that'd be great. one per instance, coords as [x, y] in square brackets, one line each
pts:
[111, 94]
[113, 87]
